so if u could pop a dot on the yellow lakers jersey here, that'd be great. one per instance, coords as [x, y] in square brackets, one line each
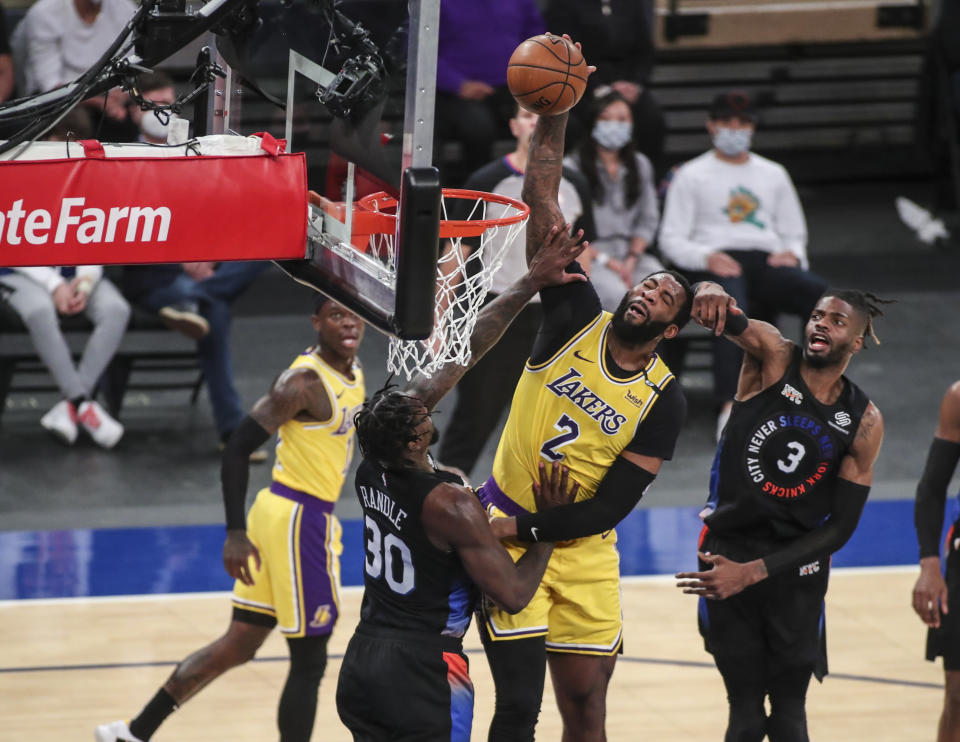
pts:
[313, 456]
[570, 408]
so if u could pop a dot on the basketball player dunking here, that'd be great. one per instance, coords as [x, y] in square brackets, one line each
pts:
[285, 556]
[430, 548]
[789, 482]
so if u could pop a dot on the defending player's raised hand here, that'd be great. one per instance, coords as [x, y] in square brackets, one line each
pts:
[725, 577]
[930, 593]
[559, 249]
[553, 490]
[237, 551]
[711, 304]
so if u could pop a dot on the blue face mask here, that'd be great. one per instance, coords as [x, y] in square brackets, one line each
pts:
[612, 134]
[732, 142]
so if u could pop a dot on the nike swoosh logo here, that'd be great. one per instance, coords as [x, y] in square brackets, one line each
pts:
[342, 391]
[533, 532]
[576, 354]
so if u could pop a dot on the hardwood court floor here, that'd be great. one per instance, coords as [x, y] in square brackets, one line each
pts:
[67, 665]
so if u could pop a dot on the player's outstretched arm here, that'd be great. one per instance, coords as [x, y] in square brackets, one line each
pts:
[541, 181]
[930, 591]
[726, 577]
[547, 269]
[295, 391]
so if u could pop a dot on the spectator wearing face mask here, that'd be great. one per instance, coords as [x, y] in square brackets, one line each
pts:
[733, 217]
[624, 198]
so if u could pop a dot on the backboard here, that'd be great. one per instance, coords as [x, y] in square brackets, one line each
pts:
[358, 85]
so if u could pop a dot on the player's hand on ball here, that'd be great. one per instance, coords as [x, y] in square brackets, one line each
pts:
[724, 578]
[553, 489]
[237, 550]
[559, 249]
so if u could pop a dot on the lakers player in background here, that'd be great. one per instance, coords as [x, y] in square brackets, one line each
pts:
[285, 556]
[596, 398]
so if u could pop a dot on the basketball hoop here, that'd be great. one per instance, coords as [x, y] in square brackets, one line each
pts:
[464, 271]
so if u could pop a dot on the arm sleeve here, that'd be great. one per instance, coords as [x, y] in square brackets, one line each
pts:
[679, 214]
[566, 310]
[932, 494]
[790, 223]
[618, 493]
[657, 434]
[848, 502]
[235, 470]
[646, 211]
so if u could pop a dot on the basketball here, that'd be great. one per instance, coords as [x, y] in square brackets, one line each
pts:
[547, 74]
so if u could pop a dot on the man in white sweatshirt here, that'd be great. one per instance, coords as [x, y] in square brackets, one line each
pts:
[733, 217]
[39, 295]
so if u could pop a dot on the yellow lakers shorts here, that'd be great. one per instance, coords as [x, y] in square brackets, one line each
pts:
[577, 606]
[298, 582]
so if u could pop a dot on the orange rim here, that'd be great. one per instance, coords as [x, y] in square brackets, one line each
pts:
[372, 214]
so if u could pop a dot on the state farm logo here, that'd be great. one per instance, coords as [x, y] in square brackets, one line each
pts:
[74, 223]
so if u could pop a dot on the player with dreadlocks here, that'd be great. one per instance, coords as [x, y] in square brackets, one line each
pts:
[430, 548]
[789, 481]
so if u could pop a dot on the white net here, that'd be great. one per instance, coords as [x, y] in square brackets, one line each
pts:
[464, 276]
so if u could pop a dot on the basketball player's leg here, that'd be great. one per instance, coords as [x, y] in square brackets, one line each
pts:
[518, 667]
[580, 683]
[949, 726]
[744, 679]
[236, 646]
[298, 701]
[788, 704]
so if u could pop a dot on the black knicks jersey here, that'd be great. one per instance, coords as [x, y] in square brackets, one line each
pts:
[773, 474]
[409, 583]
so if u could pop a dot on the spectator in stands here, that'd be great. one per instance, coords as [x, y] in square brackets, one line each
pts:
[474, 46]
[39, 296]
[485, 390]
[624, 199]
[733, 217]
[617, 37]
[57, 41]
[194, 298]
[6, 61]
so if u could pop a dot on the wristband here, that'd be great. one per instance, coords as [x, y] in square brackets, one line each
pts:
[735, 323]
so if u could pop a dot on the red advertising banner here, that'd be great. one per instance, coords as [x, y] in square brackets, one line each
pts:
[152, 210]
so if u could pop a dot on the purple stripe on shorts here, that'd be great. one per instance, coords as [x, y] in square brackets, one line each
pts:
[317, 572]
[491, 494]
[303, 498]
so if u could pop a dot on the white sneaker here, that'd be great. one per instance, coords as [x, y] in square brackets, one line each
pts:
[61, 420]
[115, 731]
[104, 430]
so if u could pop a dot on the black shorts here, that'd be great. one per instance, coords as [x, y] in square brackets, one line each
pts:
[945, 640]
[780, 619]
[398, 685]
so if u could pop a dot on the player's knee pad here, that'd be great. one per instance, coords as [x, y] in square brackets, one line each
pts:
[747, 721]
[308, 657]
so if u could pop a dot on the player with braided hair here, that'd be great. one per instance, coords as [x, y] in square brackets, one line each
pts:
[791, 476]
[429, 547]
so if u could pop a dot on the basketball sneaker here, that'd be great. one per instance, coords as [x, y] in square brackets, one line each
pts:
[61, 420]
[185, 319]
[115, 731]
[104, 430]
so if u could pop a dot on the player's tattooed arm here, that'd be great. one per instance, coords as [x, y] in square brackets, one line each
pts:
[546, 268]
[297, 392]
[541, 181]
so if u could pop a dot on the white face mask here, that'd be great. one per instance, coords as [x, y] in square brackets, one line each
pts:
[612, 134]
[152, 127]
[732, 142]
